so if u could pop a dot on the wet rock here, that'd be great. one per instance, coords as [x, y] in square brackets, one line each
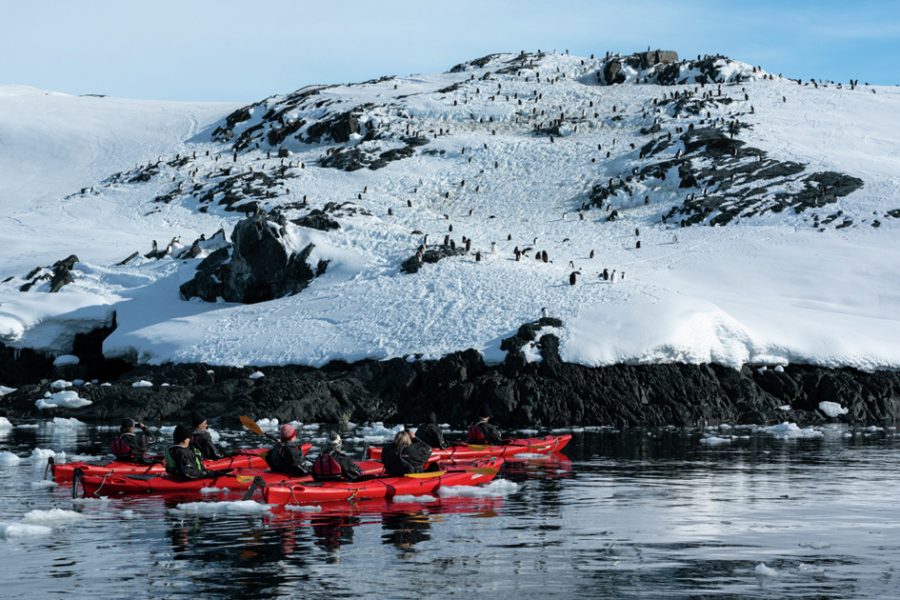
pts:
[431, 255]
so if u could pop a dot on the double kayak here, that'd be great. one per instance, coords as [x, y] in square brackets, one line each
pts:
[536, 445]
[415, 484]
[242, 459]
[118, 484]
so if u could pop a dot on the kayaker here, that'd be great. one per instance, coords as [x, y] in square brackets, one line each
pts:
[483, 432]
[202, 441]
[334, 465]
[130, 445]
[183, 460]
[285, 456]
[405, 454]
[430, 432]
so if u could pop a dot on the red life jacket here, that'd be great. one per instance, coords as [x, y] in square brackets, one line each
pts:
[327, 468]
[121, 449]
[475, 435]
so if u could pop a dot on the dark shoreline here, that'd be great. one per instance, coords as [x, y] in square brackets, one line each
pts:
[549, 393]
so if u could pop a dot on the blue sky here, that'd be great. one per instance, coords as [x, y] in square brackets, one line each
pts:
[243, 51]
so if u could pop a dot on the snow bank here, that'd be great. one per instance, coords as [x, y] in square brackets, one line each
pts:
[65, 360]
[832, 409]
[244, 507]
[498, 487]
[64, 399]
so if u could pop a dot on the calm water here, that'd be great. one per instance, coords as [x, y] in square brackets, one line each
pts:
[637, 514]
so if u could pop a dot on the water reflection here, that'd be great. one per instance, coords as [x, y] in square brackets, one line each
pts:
[635, 514]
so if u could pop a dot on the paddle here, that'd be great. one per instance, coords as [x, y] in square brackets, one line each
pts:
[255, 428]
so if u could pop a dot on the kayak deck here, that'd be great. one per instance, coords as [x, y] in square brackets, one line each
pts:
[537, 445]
[416, 484]
[254, 458]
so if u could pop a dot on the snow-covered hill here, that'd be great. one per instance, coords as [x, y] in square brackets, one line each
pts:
[766, 213]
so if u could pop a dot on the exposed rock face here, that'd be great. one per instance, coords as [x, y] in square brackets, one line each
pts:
[431, 255]
[547, 393]
[257, 266]
[662, 67]
[58, 275]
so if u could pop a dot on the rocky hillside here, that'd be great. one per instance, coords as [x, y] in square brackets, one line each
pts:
[666, 210]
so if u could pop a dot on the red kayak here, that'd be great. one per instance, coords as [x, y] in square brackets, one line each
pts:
[544, 445]
[244, 459]
[416, 484]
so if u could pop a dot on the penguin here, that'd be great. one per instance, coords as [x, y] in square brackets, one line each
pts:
[469, 245]
[409, 203]
[478, 257]
[605, 275]
[450, 229]
[544, 256]
[509, 237]
[612, 277]
[637, 245]
[390, 212]
[544, 312]
[493, 247]
[573, 277]
[637, 232]
[592, 254]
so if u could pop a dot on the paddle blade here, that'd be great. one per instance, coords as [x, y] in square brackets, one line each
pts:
[426, 475]
[244, 478]
[251, 425]
[477, 447]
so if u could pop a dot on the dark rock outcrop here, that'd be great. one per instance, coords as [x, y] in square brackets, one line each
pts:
[539, 394]
[431, 255]
[58, 275]
[257, 266]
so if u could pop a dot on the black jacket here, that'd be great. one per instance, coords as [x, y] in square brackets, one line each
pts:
[202, 441]
[285, 457]
[185, 462]
[432, 435]
[400, 461]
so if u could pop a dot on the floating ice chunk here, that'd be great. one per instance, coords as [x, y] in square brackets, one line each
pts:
[106, 384]
[832, 409]
[303, 508]
[165, 384]
[527, 432]
[64, 423]
[256, 375]
[53, 516]
[8, 458]
[764, 571]
[143, 383]
[10, 531]
[528, 456]
[779, 369]
[411, 498]
[42, 484]
[785, 407]
[214, 490]
[498, 487]
[6, 390]
[66, 359]
[127, 514]
[40, 455]
[60, 384]
[4, 422]
[243, 507]
[715, 440]
[792, 431]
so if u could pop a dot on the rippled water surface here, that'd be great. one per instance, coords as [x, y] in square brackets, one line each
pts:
[637, 514]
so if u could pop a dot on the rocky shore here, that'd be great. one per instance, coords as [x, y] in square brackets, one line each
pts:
[542, 393]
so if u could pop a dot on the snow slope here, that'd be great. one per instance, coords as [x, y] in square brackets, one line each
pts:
[775, 287]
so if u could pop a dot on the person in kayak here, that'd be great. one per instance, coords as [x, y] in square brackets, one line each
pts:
[285, 456]
[185, 461]
[483, 432]
[430, 432]
[406, 454]
[130, 445]
[202, 441]
[334, 465]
